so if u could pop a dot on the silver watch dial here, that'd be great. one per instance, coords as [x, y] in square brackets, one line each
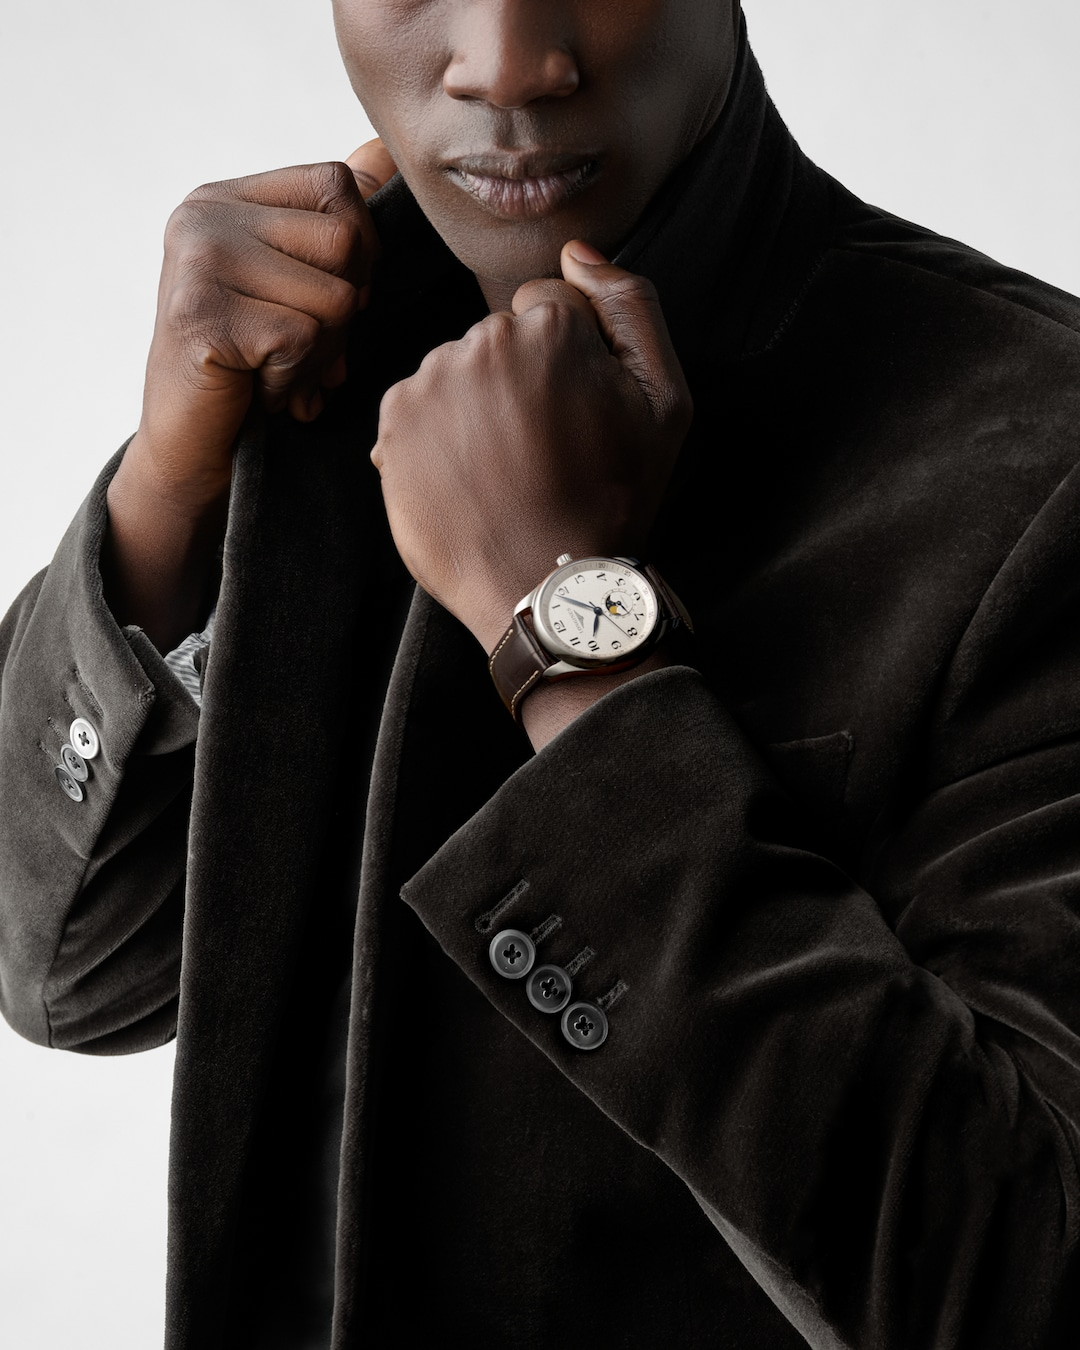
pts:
[595, 611]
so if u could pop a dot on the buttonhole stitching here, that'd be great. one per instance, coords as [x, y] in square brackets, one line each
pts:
[486, 921]
[95, 706]
[544, 930]
[608, 1000]
[582, 959]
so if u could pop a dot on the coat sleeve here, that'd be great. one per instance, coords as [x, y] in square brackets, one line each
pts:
[91, 891]
[869, 1082]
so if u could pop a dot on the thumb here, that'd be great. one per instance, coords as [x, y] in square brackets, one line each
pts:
[372, 166]
[628, 312]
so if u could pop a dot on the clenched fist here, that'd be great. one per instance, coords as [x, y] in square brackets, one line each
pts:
[260, 279]
[550, 429]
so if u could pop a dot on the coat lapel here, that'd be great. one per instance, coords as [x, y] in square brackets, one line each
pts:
[279, 678]
[445, 745]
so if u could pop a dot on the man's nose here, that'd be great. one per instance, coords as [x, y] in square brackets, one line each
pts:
[510, 53]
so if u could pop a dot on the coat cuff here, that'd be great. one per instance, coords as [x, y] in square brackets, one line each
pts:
[589, 838]
[67, 661]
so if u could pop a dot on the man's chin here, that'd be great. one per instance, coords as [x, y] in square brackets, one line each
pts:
[508, 258]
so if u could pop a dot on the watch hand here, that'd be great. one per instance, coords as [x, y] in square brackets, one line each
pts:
[596, 622]
[581, 603]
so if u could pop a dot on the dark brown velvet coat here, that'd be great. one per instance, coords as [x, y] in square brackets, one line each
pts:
[832, 859]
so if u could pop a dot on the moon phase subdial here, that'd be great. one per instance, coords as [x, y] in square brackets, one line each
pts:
[622, 605]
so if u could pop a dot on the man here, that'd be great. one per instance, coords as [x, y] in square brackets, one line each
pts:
[801, 891]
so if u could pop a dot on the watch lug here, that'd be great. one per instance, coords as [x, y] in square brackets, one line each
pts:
[561, 668]
[563, 559]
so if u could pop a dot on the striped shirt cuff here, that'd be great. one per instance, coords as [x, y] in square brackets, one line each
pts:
[187, 661]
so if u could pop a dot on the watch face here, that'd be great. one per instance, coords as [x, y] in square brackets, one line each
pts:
[595, 611]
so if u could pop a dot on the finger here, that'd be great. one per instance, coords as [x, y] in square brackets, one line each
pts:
[628, 311]
[547, 291]
[372, 166]
[267, 274]
[314, 212]
[330, 188]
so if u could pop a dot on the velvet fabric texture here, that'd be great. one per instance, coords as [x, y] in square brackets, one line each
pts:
[823, 872]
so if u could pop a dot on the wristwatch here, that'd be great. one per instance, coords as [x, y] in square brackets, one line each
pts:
[591, 616]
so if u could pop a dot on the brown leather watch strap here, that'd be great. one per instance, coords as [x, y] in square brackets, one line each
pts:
[516, 664]
[676, 609]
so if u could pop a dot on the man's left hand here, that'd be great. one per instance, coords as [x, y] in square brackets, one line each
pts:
[550, 429]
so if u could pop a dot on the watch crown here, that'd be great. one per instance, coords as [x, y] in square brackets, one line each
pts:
[563, 559]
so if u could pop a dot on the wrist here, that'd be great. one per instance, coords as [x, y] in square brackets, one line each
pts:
[159, 557]
[142, 478]
[552, 707]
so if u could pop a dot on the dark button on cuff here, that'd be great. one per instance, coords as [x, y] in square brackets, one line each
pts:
[584, 1026]
[71, 788]
[512, 953]
[74, 763]
[84, 738]
[549, 989]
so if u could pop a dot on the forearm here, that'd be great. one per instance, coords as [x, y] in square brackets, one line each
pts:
[159, 556]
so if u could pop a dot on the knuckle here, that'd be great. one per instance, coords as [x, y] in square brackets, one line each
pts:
[295, 335]
[341, 300]
[435, 364]
[195, 311]
[197, 236]
[549, 312]
[391, 403]
[208, 192]
[186, 220]
[495, 331]
[333, 185]
[339, 240]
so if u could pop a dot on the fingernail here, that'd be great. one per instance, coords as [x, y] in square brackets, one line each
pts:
[585, 253]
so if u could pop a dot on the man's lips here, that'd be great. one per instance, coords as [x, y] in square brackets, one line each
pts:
[518, 186]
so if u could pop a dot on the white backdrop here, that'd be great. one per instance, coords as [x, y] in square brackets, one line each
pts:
[961, 114]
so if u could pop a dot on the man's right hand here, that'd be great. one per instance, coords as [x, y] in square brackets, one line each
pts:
[260, 279]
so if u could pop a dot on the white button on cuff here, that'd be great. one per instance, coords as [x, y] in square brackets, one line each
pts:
[84, 738]
[68, 784]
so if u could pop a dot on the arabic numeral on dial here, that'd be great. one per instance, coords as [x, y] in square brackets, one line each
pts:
[580, 578]
[594, 646]
[562, 590]
[559, 626]
[616, 646]
[631, 632]
[575, 642]
[601, 576]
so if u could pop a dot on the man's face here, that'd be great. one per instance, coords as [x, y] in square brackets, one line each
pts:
[520, 124]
